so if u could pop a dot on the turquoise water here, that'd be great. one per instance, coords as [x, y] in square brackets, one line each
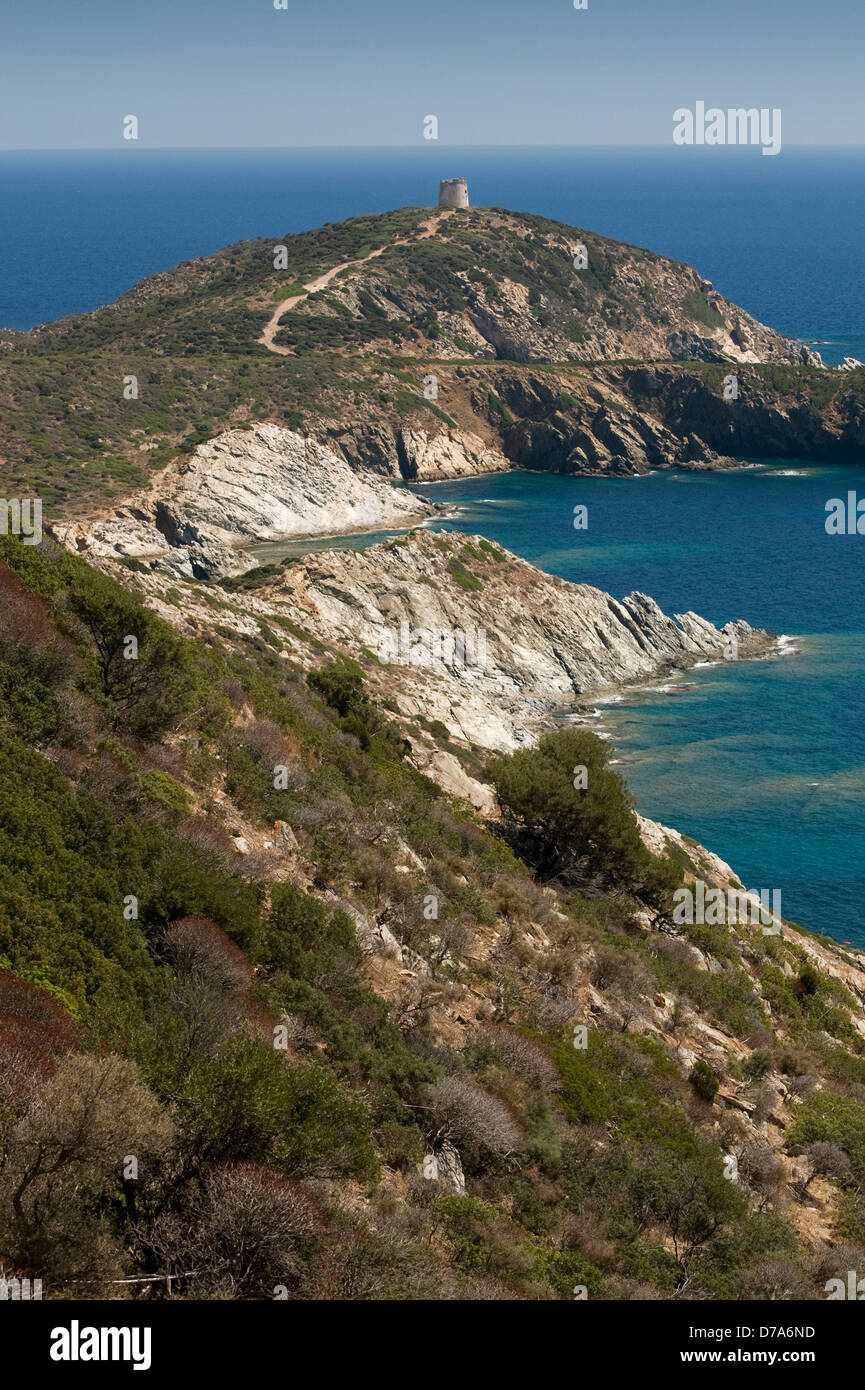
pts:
[762, 761]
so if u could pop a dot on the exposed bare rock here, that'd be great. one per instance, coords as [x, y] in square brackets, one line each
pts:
[263, 484]
[413, 452]
[531, 643]
[442, 767]
[284, 840]
[445, 1166]
[433, 457]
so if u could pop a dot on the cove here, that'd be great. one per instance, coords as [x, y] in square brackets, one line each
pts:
[764, 761]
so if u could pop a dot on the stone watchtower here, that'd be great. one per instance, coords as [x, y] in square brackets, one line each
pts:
[453, 193]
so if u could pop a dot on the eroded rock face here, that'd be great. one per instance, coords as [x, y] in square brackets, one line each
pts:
[448, 772]
[432, 457]
[767, 420]
[425, 455]
[490, 646]
[272, 484]
[585, 430]
[262, 484]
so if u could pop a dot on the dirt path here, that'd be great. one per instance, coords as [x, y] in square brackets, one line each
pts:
[323, 281]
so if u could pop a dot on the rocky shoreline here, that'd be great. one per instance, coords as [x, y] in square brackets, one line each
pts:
[548, 643]
[454, 631]
[199, 516]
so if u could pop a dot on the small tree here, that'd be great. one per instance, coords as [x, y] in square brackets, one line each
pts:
[341, 685]
[64, 1158]
[693, 1200]
[245, 1231]
[469, 1113]
[574, 817]
[704, 1080]
[142, 692]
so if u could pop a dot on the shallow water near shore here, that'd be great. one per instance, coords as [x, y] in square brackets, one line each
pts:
[762, 761]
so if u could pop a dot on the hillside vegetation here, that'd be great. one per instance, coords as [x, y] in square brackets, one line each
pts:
[255, 968]
[487, 287]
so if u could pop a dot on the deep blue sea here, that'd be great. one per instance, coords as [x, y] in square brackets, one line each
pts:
[780, 236]
[764, 761]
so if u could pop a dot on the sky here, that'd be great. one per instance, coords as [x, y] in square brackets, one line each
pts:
[367, 72]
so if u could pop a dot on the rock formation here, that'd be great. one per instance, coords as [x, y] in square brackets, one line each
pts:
[547, 643]
[264, 484]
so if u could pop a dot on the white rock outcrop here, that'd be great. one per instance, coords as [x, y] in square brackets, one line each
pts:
[458, 454]
[248, 485]
[544, 643]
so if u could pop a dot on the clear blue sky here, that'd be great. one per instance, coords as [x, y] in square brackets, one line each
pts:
[366, 72]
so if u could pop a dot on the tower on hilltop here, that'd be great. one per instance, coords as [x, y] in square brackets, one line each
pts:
[453, 193]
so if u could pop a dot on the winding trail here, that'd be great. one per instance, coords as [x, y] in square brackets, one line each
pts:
[272, 326]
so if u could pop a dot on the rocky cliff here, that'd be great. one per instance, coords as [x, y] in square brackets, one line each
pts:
[415, 344]
[272, 483]
[264, 484]
[618, 420]
[546, 643]
[452, 629]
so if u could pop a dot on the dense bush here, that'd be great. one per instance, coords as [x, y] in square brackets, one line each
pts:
[704, 1080]
[829, 1117]
[155, 981]
[577, 832]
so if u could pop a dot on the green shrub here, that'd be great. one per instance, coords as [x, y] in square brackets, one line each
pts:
[499, 409]
[464, 577]
[573, 831]
[832, 1118]
[704, 1080]
[162, 790]
[247, 1103]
